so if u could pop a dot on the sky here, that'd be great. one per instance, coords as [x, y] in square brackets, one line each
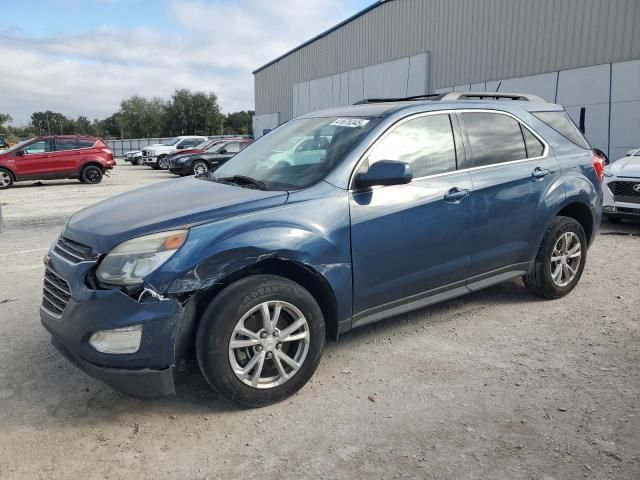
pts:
[82, 57]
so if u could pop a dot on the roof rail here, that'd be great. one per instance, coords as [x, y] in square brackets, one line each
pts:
[524, 97]
[428, 96]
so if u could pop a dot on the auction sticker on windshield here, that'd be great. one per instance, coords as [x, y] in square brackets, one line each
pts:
[349, 122]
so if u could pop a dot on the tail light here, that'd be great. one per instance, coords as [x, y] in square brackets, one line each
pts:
[598, 166]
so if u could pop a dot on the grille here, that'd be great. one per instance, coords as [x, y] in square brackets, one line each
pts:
[73, 252]
[55, 293]
[625, 192]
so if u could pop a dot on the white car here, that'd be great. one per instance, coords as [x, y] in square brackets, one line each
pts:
[622, 188]
[155, 155]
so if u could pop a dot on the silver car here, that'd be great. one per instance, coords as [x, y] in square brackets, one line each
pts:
[622, 192]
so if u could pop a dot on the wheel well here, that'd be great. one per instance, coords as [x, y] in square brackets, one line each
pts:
[581, 213]
[305, 276]
[13, 175]
[92, 162]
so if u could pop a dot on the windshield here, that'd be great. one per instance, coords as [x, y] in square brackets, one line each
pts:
[202, 145]
[16, 146]
[297, 154]
[173, 141]
[214, 145]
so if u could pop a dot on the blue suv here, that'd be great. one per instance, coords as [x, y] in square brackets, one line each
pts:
[333, 220]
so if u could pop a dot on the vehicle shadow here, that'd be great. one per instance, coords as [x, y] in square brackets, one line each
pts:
[45, 183]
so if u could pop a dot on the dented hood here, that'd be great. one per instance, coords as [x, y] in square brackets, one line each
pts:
[163, 206]
[626, 167]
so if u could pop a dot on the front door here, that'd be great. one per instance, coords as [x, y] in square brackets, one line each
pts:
[35, 159]
[411, 241]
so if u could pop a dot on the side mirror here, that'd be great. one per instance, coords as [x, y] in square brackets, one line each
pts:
[20, 153]
[385, 172]
[224, 150]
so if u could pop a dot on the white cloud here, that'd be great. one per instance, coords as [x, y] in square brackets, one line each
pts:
[214, 47]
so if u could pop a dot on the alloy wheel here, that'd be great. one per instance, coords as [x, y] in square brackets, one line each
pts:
[5, 179]
[200, 168]
[269, 344]
[565, 259]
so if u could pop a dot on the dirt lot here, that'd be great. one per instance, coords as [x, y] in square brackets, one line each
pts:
[496, 385]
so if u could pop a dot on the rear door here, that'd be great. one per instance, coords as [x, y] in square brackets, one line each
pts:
[36, 159]
[512, 170]
[67, 156]
[410, 240]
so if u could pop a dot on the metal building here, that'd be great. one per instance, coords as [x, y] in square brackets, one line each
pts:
[583, 54]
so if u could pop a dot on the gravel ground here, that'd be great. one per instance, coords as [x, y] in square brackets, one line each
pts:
[496, 385]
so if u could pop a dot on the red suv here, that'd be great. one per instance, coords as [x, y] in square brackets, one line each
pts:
[55, 157]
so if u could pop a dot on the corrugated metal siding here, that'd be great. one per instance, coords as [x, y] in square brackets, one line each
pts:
[469, 40]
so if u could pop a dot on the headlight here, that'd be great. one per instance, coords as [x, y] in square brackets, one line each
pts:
[131, 261]
[607, 172]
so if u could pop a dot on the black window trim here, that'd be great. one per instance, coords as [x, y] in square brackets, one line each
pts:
[462, 151]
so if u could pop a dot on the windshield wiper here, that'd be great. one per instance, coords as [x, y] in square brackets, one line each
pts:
[240, 179]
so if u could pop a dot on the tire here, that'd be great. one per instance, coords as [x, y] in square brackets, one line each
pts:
[218, 327]
[541, 281]
[91, 174]
[614, 220]
[200, 165]
[161, 163]
[6, 179]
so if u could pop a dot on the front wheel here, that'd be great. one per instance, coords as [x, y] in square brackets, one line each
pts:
[260, 340]
[560, 260]
[6, 178]
[91, 174]
[161, 163]
[200, 167]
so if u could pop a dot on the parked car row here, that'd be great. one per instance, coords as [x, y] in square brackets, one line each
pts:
[180, 156]
[52, 157]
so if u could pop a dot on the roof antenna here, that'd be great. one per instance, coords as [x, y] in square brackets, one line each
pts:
[499, 85]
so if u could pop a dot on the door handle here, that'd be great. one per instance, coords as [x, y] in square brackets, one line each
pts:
[455, 195]
[540, 172]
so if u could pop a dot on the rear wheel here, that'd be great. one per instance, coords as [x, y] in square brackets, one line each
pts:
[91, 174]
[6, 178]
[260, 340]
[200, 167]
[560, 260]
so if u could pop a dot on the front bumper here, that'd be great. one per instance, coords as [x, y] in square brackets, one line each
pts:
[140, 383]
[180, 169]
[148, 160]
[616, 209]
[147, 373]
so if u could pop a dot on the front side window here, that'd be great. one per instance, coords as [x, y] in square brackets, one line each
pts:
[41, 146]
[63, 144]
[278, 164]
[494, 138]
[426, 143]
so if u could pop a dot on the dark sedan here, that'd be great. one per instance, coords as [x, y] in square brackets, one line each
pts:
[202, 163]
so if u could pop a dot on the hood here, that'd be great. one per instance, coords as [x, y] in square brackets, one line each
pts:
[186, 151]
[163, 206]
[626, 167]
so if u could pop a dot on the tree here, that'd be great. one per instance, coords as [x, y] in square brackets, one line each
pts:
[239, 123]
[83, 125]
[190, 113]
[140, 117]
[52, 123]
[4, 118]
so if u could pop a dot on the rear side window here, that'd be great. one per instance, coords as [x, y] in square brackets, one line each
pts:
[426, 143]
[66, 144]
[86, 143]
[494, 138]
[232, 147]
[535, 148]
[562, 124]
